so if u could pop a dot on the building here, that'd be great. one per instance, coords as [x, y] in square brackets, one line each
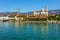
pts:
[36, 12]
[11, 17]
[20, 17]
[32, 16]
[3, 17]
[42, 11]
[52, 14]
[45, 11]
[42, 16]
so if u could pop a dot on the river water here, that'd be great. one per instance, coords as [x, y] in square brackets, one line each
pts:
[29, 31]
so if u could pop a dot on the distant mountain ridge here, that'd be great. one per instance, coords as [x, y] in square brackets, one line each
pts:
[31, 12]
[55, 11]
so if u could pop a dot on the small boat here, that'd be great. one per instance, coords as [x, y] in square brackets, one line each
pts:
[4, 20]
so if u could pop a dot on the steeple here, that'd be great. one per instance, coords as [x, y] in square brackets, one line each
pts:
[47, 8]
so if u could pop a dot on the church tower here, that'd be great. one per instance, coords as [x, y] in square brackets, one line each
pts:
[46, 10]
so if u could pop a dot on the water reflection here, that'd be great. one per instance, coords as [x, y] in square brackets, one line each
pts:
[17, 24]
[35, 27]
[33, 31]
[58, 27]
[44, 30]
[53, 31]
[20, 26]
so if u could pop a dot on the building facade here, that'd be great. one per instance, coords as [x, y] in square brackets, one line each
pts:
[45, 12]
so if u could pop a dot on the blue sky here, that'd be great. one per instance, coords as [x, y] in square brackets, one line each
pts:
[28, 5]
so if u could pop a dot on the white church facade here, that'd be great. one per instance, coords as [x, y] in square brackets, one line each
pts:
[45, 12]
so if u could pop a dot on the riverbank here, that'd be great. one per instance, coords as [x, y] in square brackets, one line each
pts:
[34, 21]
[41, 21]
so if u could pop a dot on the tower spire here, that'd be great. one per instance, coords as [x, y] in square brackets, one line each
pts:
[47, 8]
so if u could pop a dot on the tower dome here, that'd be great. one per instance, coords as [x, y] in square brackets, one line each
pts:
[42, 10]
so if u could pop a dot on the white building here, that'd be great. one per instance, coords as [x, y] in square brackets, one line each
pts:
[36, 12]
[4, 18]
[45, 12]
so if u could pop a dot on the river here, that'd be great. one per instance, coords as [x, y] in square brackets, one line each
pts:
[29, 31]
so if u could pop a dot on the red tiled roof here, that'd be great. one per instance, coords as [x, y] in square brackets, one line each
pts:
[21, 15]
[42, 16]
[32, 16]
